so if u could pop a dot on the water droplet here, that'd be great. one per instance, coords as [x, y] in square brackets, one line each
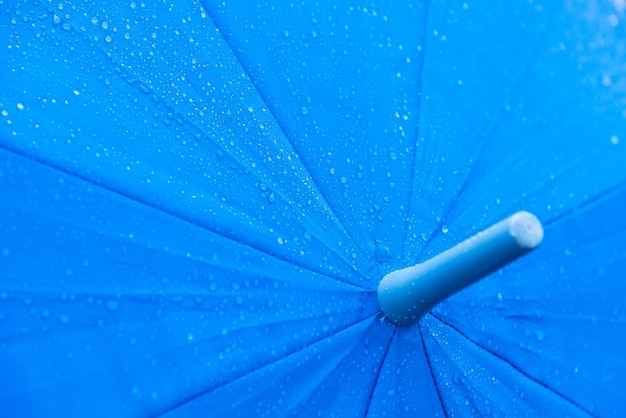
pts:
[238, 300]
[64, 318]
[540, 335]
[614, 140]
[280, 240]
[304, 110]
[457, 379]
[444, 229]
[4, 294]
[112, 305]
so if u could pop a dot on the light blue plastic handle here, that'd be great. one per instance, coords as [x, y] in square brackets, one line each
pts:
[408, 294]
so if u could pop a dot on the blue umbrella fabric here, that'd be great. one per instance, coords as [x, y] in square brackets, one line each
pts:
[199, 200]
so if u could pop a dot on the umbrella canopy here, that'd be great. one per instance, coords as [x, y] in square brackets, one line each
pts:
[200, 199]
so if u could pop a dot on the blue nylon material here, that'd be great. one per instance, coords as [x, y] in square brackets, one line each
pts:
[197, 202]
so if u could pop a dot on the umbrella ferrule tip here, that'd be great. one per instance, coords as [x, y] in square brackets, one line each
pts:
[526, 229]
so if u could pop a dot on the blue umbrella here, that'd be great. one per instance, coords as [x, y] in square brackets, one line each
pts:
[200, 199]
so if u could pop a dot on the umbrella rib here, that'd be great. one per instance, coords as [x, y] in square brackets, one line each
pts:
[165, 211]
[490, 128]
[432, 372]
[573, 166]
[380, 368]
[596, 199]
[282, 128]
[244, 68]
[215, 387]
[513, 366]
[420, 77]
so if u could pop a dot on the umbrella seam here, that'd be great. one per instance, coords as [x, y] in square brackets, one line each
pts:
[213, 388]
[514, 366]
[596, 199]
[380, 368]
[490, 128]
[272, 111]
[171, 213]
[432, 372]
